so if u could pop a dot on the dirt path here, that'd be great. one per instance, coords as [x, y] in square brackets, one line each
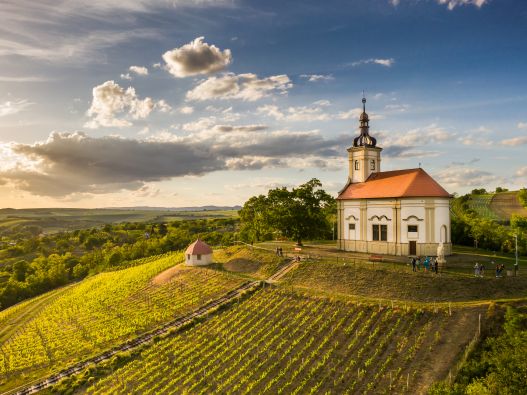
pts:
[167, 275]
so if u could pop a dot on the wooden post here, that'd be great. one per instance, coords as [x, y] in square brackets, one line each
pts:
[479, 324]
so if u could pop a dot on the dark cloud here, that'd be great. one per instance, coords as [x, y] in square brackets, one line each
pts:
[70, 163]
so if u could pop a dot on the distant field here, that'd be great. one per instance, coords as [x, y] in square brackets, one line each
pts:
[55, 220]
[497, 206]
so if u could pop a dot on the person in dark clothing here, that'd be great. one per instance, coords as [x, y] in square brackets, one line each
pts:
[436, 265]
[414, 269]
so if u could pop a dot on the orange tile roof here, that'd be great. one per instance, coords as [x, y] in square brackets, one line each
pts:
[198, 248]
[395, 184]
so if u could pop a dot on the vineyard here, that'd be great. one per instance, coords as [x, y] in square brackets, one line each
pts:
[283, 342]
[481, 204]
[102, 310]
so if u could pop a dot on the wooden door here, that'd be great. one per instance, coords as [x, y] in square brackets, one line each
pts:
[412, 247]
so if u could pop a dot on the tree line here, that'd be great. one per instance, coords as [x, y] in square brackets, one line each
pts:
[471, 229]
[304, 212]
[35, 264]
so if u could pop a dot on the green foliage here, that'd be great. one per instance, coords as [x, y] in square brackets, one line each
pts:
[518, 221]
[480, 191]
[37, 264]
[522, 197]
[501, 189]
[299, 214]
[103, 310]
[471, 226]
[499, 367]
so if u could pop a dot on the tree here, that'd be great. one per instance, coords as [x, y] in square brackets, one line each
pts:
[299, 214]
[501, 189]
[522, 196]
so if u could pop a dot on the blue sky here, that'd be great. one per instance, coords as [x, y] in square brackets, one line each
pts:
[181, 102]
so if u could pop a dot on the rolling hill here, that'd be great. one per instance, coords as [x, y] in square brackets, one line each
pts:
[325, 327]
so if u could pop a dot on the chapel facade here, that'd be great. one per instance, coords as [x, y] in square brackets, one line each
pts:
[399, 212]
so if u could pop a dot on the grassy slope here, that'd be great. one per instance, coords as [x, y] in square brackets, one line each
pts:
[342, 289]
[99, 312]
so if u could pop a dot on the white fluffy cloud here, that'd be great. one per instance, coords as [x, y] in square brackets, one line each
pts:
[383, 62]
[163, 106]
[318, 77]
[139, 70]
[13, 106]
[246, 87]
[454, 3]
[112, 106]
[195, 58]
[522, 125]
[186, 110]
[316, 112]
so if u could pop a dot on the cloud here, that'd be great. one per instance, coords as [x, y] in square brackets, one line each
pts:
[186, 110]
[126, 76]
[29, 78]
[139, 70]
[247, 87]
[13, 107]
[466, 177]
[163, 106]
[454, 3]
[355, 113]
[195, 58]
[111, 100]
[318, 77]
[383, 62]
[296, 114]
[515, 141]
[522, 125]
[521, 172]
[68, 163]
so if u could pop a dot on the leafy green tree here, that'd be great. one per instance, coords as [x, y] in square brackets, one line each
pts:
[299, 214]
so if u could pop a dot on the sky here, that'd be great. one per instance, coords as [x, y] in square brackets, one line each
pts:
[196, 102]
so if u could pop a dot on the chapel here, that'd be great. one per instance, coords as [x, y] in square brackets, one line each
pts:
[398, 212]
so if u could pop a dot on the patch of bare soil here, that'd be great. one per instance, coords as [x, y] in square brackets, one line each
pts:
[241, 265]
[167, 275]
[454, 338]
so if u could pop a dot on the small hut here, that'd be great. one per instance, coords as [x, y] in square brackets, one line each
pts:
[198, 253]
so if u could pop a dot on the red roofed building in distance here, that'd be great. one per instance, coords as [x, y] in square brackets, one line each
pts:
[198, 253]
[400, 212]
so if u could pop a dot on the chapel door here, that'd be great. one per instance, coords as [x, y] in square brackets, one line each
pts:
[412, 247]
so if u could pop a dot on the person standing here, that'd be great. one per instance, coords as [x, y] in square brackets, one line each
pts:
[476, 270]
[436, 265]
[413, 265]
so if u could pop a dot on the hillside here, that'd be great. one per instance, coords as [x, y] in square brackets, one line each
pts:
[85, 318]
[327, 326]
[497, 206]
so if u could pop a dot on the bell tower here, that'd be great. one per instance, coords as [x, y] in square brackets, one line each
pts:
[364, 156]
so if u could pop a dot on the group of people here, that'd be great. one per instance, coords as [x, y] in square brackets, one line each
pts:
[429, 263]
[479, 270]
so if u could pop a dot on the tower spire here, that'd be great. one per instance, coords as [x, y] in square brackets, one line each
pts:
[364, 138]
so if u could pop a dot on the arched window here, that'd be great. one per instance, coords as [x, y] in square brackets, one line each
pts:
[356, 165]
